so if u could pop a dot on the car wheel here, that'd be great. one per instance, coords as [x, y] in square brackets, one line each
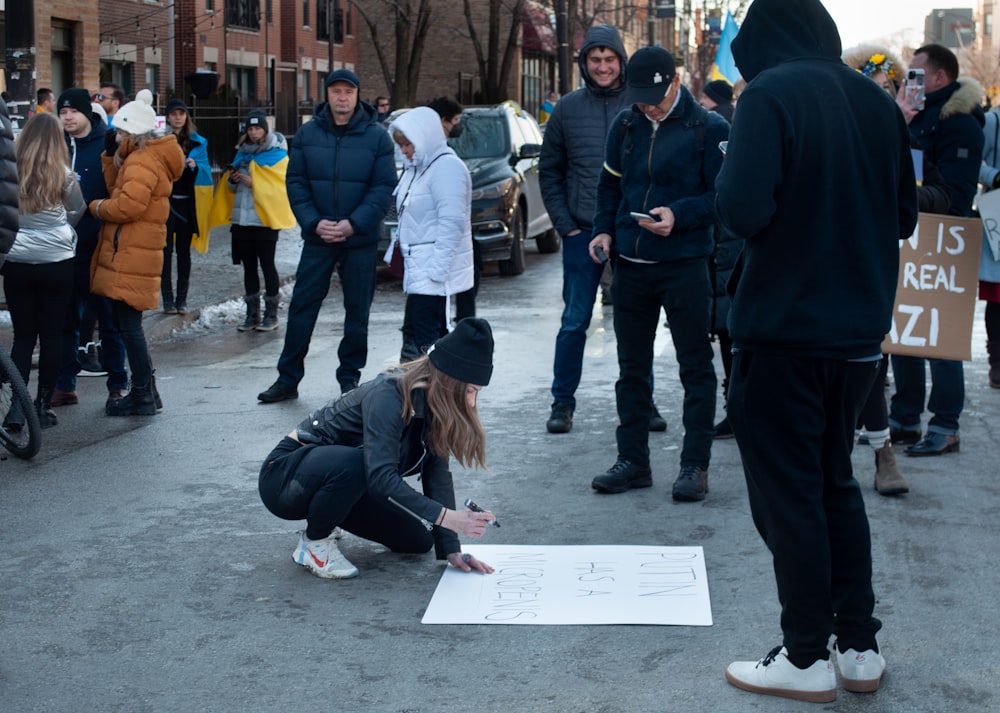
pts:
[515, 265]
[548, 242]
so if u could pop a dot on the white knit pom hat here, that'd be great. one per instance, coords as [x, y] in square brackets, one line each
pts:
[137, 117]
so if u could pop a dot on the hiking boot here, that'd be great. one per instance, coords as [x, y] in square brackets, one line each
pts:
[775, 675]
[561, 419]
[278, 391]
[691, 485]
[723, 430]
[168, 305]
[861, 672]
[90, 361]
[935, 444]
[253, 313]
[181, 306]
[64, 398]
[656, 421]
[622, 476]
[270, 321]
[323, 558]
[43, 405]
[888, 479]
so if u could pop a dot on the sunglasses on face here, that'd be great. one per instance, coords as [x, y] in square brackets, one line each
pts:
[97, 97]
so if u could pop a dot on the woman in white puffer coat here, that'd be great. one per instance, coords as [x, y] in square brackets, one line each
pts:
[433, 201]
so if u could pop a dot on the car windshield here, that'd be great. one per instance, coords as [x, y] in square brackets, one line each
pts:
[483, 136]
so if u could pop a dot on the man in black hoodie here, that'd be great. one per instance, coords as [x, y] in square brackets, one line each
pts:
[818, 180]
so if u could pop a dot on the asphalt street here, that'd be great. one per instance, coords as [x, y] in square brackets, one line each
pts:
[140, 572]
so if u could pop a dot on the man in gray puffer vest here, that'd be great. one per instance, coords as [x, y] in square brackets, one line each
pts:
[568, 170]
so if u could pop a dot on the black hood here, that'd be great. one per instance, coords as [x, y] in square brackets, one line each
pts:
[602, 36]
[776, 31]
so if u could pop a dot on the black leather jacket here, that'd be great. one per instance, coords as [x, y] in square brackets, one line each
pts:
[369, 417]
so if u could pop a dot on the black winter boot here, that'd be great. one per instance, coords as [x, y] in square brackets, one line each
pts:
[43, 404]
[253, 313]
[270, 322]
[993, 349]
[180, 304]
[137, 402]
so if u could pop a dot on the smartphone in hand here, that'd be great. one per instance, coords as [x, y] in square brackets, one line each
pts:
[643, 216]
[915, 84]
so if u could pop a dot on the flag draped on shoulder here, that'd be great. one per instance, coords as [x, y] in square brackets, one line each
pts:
[725, 65]
[267, 173]
[202, 193]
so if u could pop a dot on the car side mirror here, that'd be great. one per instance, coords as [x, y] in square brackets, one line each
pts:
[530, 151]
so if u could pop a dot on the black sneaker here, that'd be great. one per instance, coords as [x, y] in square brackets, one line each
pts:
[656, 421]
[278, 391]
[622, 476]
[561, 420]
[90, 362]
[691, 485]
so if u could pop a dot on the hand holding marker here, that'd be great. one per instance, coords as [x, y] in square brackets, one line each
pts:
[469, 503]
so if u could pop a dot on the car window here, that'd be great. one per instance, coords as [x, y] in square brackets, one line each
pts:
[532, 134]
[483, 137]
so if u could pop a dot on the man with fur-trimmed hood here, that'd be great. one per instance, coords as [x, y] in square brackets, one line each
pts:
[949, 130]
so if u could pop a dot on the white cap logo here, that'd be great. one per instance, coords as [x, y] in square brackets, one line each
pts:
[657, 78]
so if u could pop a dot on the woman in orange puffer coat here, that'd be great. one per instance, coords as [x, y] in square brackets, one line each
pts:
[140, 169]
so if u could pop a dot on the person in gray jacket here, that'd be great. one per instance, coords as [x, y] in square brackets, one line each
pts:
[568, 169]
[345, 465]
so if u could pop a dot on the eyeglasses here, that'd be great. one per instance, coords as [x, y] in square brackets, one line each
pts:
[98, 97]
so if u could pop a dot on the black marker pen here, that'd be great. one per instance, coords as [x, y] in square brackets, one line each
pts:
[475, 508]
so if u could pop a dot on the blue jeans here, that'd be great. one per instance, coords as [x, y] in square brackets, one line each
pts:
[581, 277]
[112, 348]
[129, 323]
[639, 292]
[356, 268]
[947, 394]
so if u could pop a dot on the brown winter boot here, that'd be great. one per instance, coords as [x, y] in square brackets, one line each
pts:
[888, 479]
[993, 349]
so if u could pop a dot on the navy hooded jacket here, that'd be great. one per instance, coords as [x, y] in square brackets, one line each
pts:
[335, 176]
[85, 160]
[818, 180]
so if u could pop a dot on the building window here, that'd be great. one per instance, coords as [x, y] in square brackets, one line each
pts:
[338, 23]
[243, 81]
[210, 5]
[305, 13]
[323, 20]
[306, 76]
[988, 24]
[62, 56]
[119, 73]
[243, 13]
[153, 77]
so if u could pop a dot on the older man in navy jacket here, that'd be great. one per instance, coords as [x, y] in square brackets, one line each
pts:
[341, 174]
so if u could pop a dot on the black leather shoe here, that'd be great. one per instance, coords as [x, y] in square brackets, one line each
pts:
[691, 485]
[656, 421]
[278, 391]
[723, 430]
[561, 420]
[622, 476]
[934, 444]
[904, 436]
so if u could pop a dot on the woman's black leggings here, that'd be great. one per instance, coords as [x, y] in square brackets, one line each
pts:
[326, 486]
[256, 246]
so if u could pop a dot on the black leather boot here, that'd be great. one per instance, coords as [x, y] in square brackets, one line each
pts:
[270, 322]
[253, 313]
[43, 404]
[137, 402]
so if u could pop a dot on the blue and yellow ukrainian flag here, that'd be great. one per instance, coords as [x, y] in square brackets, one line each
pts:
[202, 192]
[725, 65]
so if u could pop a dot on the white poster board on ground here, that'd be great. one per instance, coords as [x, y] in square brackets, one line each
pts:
[576, 584]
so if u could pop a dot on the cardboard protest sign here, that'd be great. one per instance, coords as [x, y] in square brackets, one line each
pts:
[989, 209]
[937, 288]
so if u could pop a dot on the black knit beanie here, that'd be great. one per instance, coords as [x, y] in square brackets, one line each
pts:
[719, 91]
[76, 98]
[466, 354]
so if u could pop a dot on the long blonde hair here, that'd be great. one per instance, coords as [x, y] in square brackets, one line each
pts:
[42, 164]
[454, 426]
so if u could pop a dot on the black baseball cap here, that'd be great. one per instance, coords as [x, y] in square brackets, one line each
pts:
[649, 73]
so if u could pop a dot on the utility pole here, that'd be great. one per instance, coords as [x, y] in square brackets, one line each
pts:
[562, 31]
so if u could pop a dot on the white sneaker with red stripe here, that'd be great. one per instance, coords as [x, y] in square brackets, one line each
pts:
[861, 671]
[323, 558]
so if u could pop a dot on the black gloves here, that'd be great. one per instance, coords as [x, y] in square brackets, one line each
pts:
[110, 142]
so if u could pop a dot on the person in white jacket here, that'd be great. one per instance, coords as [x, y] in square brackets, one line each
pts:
[433, 201]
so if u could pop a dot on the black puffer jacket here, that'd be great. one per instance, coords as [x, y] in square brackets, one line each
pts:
[573, 149]
[8, 182]
[369, 417]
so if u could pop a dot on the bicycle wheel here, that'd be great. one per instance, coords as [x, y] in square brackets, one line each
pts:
[23, 440]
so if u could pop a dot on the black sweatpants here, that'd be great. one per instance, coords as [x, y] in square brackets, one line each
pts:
[326, 486]
[794, 419]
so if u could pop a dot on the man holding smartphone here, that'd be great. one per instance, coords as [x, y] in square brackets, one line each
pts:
[949, 130]
[662, 263]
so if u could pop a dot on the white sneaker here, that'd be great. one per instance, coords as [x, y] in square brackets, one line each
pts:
[323, 558]
[861, 671]
[775, 675]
